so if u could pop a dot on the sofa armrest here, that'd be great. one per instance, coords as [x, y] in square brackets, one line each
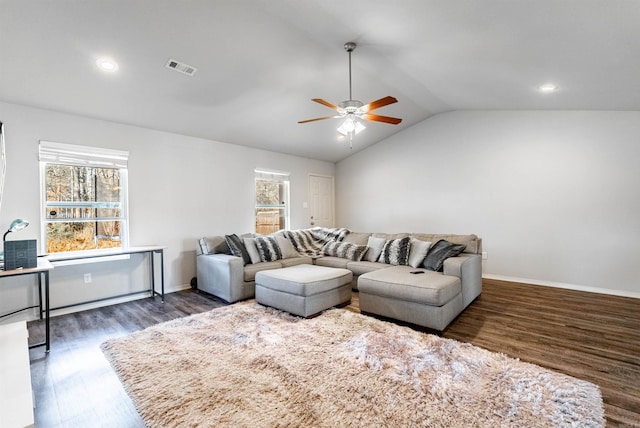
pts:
[223, 276]
[467, 267]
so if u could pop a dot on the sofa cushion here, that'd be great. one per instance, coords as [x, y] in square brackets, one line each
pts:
[357, 238]
[440, 252]
[345, 250]
[330, 261]
[430, 288]
[375, 246]
[358, 268]
[237, 248]
[418, 252]
[268, 248]
[294, 261]
[251, 269]
[396, 252]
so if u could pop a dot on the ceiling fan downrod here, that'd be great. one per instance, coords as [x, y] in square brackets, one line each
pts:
[350, 47]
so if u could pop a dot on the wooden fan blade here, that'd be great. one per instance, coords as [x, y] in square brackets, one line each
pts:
[379, 103]
[325, 103]
[317, 118]
[385, 119]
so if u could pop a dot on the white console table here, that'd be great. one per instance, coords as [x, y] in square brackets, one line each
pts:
[16, 396]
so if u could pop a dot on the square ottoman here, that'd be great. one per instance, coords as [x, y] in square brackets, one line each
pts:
[429, 299]
[304, 290]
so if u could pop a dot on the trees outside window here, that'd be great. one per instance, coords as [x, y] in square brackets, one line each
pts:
[272, 202]
[84, 205]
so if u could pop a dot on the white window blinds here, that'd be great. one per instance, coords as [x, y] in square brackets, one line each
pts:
[262, 174]
[71, 154]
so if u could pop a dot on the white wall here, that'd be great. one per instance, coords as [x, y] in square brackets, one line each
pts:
[554, 195]
[180, 189]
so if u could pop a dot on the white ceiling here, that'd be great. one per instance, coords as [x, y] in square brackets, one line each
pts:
[260, 62]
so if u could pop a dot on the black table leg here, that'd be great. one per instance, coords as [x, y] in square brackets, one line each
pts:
[162, 272]
[153, 275]
[40, 296]
[46, 310]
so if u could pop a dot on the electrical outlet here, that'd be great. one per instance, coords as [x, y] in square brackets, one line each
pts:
[87, 278]
[484, 255]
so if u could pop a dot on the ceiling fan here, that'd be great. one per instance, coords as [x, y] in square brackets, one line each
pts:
[354, 111]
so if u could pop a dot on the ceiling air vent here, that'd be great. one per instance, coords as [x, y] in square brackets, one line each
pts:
[181, 67]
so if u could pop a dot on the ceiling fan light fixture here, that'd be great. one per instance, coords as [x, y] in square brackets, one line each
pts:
[351, 125]
[353, 112]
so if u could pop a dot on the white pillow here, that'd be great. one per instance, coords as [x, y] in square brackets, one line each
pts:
[286, 247]
[375, 248]
[250, 245]
[418, 252]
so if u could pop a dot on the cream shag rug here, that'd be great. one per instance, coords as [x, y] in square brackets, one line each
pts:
[246, 365]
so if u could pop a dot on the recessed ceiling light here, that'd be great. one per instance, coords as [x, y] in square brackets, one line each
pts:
[548, 88]
[107, 64]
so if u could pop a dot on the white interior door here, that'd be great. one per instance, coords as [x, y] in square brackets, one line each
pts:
[321, 201]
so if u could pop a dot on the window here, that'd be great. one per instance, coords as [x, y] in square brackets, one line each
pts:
[272, 201]
[84, 194]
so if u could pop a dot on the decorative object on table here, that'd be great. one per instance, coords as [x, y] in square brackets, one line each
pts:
[249, 365]
[21, 253]
[16, 225]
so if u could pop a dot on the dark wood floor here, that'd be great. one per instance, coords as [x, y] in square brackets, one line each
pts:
[590, 336]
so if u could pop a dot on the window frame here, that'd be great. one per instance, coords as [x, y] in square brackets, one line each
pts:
[73, 155]
[279, 177]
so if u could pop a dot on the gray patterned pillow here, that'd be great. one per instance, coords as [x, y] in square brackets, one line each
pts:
[204, 247]
[396, 252]
[237, 248]
[440, 252]
[268, 248]
[346, 250]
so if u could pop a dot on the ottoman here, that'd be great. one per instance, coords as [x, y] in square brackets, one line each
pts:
[304, 290]
[429, 299]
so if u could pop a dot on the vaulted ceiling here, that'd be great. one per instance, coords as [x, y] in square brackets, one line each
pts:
[260, 62]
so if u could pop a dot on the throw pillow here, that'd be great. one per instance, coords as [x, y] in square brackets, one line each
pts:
[375, 246]
[419, 250]
[237, 248]
[218, 245]
[204, 247]
[268, 249]
[346, 250]
[250, 245]
[396, 252]
[286, 247]
[440, 252]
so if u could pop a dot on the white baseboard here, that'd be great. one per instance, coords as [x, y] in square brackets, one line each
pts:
[109, 302]
[622, 293]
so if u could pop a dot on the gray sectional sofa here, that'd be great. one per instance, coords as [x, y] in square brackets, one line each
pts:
[430, 299]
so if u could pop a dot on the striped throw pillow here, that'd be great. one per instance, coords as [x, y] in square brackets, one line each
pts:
[396, 252]
[268, 248]
[346, 250]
